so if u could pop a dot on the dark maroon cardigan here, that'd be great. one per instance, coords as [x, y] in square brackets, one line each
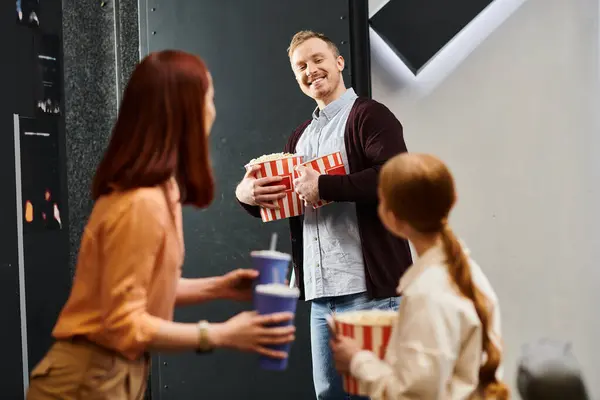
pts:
[373, 135]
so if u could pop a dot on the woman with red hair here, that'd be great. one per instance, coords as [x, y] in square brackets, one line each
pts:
[128, 276]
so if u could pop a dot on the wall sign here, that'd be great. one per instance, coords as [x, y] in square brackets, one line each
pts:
[418, 29]
[40, 178]
[420, 42]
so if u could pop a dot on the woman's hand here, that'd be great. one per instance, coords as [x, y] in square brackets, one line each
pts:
[237, 285]
[344, 349]
[251, 332]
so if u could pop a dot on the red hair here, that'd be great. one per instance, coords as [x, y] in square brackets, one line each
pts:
[419, 189]
[160, 130]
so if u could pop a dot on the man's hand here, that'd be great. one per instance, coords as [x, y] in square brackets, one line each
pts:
[259, 192]
[307, 184]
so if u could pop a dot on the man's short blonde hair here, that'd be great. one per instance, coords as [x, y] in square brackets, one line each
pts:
[303, 36]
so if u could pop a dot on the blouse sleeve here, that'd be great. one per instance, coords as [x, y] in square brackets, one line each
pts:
[130, 246]
[424, 353]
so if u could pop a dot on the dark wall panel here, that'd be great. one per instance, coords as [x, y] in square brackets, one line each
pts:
[47, 273]
[46, 277]
[11, 368]
[258, 105]
[11, 47]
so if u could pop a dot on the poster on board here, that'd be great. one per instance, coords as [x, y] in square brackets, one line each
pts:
[40, 175]
[47, 86]
[28, 12]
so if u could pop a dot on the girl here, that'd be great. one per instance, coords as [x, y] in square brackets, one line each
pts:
[128, 276]
[445, 344]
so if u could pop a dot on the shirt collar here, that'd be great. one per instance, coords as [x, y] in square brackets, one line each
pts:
[434, 256]
[335, 106]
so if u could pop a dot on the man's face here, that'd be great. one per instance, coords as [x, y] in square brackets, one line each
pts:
[317, 69]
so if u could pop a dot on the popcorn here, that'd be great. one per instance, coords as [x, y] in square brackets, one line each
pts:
[372, 330]
[270, 157]
[330, 164]
[283, 165]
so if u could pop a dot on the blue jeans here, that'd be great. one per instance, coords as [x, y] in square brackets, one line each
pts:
[328, 383]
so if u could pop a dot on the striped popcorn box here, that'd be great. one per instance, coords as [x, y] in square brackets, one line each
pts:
[372, 329]
[284, 166]
[330, 164]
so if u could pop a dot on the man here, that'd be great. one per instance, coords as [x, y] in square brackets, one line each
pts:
[343, 257]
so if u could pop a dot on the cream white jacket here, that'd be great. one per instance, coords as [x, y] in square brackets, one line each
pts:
[435, 349]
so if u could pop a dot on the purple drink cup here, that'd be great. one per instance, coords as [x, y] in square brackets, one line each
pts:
[272, 266]
[274, 298]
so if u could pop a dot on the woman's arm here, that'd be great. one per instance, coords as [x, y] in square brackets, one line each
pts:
[198, 290]
[246, 331]
[235, 285]
[133, 238]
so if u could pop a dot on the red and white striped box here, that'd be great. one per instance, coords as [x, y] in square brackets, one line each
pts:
[372, 330]
[290, 205]
[330, 164]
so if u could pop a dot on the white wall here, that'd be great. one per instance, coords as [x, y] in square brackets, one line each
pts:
[517, 122]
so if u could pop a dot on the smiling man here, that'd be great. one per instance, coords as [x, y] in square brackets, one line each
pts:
[343, 257]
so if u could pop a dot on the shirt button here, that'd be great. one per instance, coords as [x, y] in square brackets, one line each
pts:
[316, 238]
[318, 265]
